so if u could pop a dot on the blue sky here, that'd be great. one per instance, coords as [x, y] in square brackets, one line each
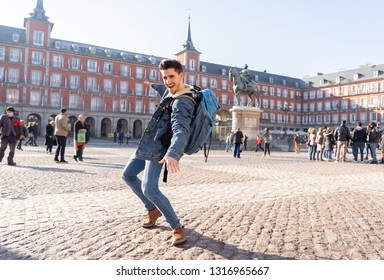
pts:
[295, 38]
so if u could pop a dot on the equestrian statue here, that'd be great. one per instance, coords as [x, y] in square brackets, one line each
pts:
[243, 83]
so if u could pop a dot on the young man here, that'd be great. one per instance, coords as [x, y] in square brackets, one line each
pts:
[61, 133]
[157, 147]
[11, 130]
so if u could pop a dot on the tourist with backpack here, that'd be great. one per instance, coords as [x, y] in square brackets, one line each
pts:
[358, 138]
[342, 137]
[373, 137]
[167, 137]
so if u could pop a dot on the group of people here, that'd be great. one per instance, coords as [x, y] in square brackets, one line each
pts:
[235, 139]
[328, 144]
[118, 137]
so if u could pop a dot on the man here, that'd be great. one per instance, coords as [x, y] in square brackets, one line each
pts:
[61, 133]
[11, 130]
[155, 148]
[238, 139]
[342, 137]
[373, 137]
[35, 131]
[245, 77]
[358, 138]
[297, 138]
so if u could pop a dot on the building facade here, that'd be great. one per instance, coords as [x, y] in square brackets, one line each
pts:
[39, 75]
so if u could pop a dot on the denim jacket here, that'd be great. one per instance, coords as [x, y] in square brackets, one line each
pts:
[152, 145]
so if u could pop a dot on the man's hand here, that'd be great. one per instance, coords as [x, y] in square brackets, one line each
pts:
[172, 164]
[21, 137]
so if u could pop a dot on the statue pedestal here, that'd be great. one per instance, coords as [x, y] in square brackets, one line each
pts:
[248, 120]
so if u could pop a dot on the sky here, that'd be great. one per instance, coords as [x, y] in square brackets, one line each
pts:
[296, 38]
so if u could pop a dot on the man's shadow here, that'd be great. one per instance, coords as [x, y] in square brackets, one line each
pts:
[217, 247]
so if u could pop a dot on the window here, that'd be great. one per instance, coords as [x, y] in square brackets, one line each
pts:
[312, 106]
[123, 105]
[272, 91]
[15, 37]
[192, 64]
[75, 81]
[305, 95]
[57, 61]
[327, 93]
[224, 84]
[364, 88]
[256, 77]
[265, 103]
[363, 102]
[152, 107]
[91, 84]
[75, 63]
[124, 70]
[1, 74]
[285, 93]
[203, 68]
[223, 72]
[224, 99]
[265, 90]
[327, 105]
[123, 87]
[139, 73]
[55, 80]
[139, 106]
[270, 80]
[344, 104]
[153, 74]
[319, 106]
[344, 91]
[354, 89]
[139, 89]
[152, 92]
[374, 87]
[37, 58]
[335, 105]
[353, 103]
[57, 44]
[373, 102]
[373, 116]
[292, 94]
[273, 117]
[335, 118]
[36, 78]
[92, 66]
[278, 91]
[12, 96]
[13, 75]
[305, 107]
[363, 117]
[95, 104]
[319, 93]
[14, 55]
[272, 104]
[319, 119]
[298, 106]
[108, 68]
[35, 98]
[312, 94]
[327, 118]
[115, 105]
[213, 83]
[352, 117]
[2, 53]
[336, 91]
[55, 99]
[108, 85]
[192, 80]
[38, 38]
[204, 82]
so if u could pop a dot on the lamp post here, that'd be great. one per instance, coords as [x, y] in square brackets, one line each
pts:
[285, 109]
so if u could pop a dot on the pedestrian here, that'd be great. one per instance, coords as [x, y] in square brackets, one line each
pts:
[228, 142]
[115, 137]
[267, 139]
[373, 137]
[30, 134]
[80, 137]
[61, 133]
[297, 139]
[49, 136]
[358, 138]
[342, 136]
[312, 144]
[152, 151]
[319, 144]
[11, 130]
[245, 142]
[25, 134]
[329, 143]
[35, 131]
[290, 143]
[128, 136]
[259, 143]
[121, 137]
[381, 145]
[238, 140]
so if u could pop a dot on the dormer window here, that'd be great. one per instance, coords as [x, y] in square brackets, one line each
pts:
[16, 37]
[203, 68]
[57, 44]
[356, 76]
[107, 53]
[75, 47]
[270, 80]
[338, 79]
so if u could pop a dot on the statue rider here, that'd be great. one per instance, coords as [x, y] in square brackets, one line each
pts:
[245, 77]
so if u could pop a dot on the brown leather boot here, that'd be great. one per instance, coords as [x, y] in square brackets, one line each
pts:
[179, 236]
[152, 215]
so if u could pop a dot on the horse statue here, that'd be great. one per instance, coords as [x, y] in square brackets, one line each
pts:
[239, 86]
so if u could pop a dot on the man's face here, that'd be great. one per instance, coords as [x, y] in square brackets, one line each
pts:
[9, 113]
[172, 80]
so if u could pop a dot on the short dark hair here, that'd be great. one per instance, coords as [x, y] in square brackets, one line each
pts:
[344, 122]
[10, 109]
[359, 123]
[171, 63]
[63, 110]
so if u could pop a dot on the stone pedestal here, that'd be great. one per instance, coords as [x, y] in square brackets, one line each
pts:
[248, 120]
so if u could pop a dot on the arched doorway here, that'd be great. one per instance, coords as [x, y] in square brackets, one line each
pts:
[106, 127]
[137, 129]
[91, 124]
[34, 119]
[72, 120]
[122, 124]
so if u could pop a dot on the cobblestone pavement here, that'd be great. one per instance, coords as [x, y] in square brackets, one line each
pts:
[279, 207]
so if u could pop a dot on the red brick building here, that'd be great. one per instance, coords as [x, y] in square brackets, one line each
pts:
[39, 75]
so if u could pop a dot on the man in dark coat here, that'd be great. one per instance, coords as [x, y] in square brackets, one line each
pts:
[11, 130]
[238, 139]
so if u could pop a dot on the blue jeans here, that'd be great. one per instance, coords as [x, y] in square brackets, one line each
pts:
[373, 151]
[236, 152]
[312, 152]
[327, 154]
[147, 189]
[356, 147]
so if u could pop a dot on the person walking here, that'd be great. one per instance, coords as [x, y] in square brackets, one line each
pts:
[297, 139]
[154, 149]
[267, 139]
[30, 135]
[61, 133]
[342, 137]
[121, 137]
[259, 143]
[11, 130]
[245, 142]
[49, 136]
[25, 134]
[228, 142]
[80, 138]
[238, 140]
[115, 137]
[35, 131]
[128, 136]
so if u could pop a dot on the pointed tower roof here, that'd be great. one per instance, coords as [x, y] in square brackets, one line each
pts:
[39, 12]
[188, 45]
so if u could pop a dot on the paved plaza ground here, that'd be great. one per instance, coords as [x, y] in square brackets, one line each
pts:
[279, 207]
